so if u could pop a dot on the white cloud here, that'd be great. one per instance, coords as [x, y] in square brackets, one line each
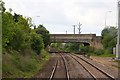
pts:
[60, 15]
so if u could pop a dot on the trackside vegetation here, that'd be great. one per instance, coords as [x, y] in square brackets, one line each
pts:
[23, 48]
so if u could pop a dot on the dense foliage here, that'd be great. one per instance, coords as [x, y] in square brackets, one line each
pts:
[73, 47]
[37, 42]
[18, 35]
[109, 37]
[22, 47]
[45, 34]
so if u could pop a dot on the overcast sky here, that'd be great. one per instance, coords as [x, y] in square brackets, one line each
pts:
[58, 16]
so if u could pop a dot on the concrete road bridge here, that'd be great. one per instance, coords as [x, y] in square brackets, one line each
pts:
[86, 39]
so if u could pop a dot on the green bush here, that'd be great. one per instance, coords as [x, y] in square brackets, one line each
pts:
[36, 42]
[99, 52]
[14, 33]
[19, 45]
[16, 65]
[17, 39]
[86, 49]
[44, 55]
[45, 34]
[109, 38]
[108, 51]
[27, 65]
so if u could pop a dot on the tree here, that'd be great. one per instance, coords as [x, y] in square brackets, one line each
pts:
[2, 8]
[36, 42]
[45, 34]
[16, 16]
[7, 28]
[73, 47]
[10, 10]
[58, 46]
[109, 37]
[17, 34]
[14, 30]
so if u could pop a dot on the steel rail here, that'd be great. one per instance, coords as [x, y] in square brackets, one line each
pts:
[66, 68]
[99, 69]
[84, 67]
[53, 71]
[55, 68]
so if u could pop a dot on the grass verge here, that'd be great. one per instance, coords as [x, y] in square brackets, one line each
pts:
[102, 55]
[17, 65]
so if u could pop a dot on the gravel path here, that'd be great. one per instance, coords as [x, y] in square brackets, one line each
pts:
[108, 69]
[47, 68]
[105, 61]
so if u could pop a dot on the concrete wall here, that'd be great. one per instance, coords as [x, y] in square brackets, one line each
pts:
[97, 43]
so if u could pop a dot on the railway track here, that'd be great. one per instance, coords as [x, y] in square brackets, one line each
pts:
[55, 72]
[94, 71]
[66, 68]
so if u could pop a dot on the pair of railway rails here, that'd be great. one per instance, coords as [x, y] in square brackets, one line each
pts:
[77, 59]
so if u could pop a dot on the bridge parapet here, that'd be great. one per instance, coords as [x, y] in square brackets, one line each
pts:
[72, 36]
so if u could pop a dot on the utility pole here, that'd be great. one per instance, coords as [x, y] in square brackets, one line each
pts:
[74, 28]
[79, 27]
[118, 36]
